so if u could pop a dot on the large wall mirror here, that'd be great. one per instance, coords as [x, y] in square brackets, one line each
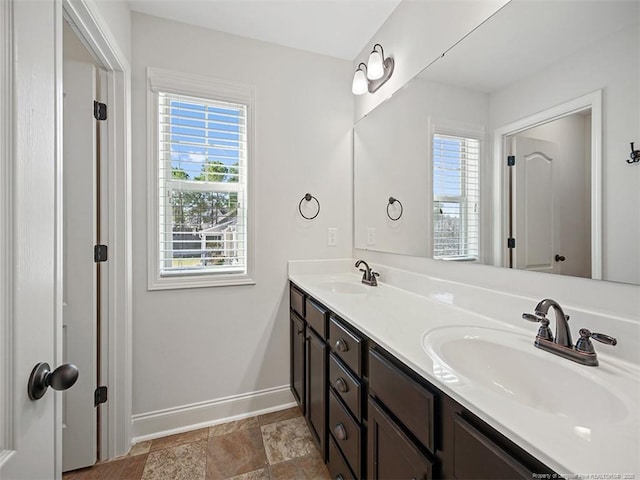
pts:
[511, 149]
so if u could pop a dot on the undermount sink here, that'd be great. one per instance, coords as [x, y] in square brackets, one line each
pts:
[344, 287]
[508, 364]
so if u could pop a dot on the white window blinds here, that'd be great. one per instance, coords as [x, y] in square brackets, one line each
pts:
[455, 197]
[203, 186]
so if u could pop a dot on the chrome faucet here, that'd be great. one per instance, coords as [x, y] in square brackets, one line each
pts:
[562, 345]
[368, 275]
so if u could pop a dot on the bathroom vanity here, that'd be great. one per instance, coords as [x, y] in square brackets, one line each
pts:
[390, 388]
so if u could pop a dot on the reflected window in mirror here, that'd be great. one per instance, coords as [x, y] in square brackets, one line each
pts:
[456, 197]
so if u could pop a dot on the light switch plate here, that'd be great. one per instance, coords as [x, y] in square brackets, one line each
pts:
[332, 236]
[371, 236]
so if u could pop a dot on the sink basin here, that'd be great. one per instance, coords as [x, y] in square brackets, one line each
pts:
[507, 364]
[344, 287]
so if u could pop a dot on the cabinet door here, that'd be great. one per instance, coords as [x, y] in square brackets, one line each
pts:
[476, 456]
[390, 452]
[317, 390]
[297, 360]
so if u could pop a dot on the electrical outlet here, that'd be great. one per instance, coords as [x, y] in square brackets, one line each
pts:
[332, 236]
[371, 236]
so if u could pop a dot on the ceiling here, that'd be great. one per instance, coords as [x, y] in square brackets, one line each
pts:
[337, 28]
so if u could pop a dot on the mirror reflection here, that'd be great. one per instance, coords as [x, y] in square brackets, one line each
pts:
[511, 149]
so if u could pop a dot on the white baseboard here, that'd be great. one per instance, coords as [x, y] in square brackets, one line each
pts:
[147, 426]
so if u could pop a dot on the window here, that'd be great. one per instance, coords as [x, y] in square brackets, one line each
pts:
[455, 197]
[201, 228]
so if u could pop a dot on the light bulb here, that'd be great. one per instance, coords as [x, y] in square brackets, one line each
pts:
[375, 67]
[359, 85]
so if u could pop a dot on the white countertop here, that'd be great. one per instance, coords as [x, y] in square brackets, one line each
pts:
[397, 320]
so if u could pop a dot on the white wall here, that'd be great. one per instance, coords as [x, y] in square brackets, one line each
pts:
[416, 34]
[117, 15]
[596, 68]
[202, 345]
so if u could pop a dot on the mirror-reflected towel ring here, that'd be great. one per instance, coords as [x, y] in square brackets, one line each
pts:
[308, 197]
[391, 202]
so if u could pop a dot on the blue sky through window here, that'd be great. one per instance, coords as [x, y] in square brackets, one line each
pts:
[202, 133]
[447, 171]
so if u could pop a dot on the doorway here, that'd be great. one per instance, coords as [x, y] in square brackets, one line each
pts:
[571, 129]
[32, 230]
[85, 291]
[550, 208]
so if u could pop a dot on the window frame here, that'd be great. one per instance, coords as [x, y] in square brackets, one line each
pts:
[466, 131]
[179, 83]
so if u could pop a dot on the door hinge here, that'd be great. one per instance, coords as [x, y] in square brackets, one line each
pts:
[511, 160]
[100, 396]
[511, 243]
[99, 110]
[100, 253]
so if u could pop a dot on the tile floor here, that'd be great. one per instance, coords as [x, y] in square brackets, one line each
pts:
[267, 447]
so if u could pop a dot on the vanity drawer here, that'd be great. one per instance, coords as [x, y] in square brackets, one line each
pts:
[409, 401]
[346, 345]
[346, 433]
[296, 300]
[477, 457]
[317, 317]
[346, 385]
[337, 465]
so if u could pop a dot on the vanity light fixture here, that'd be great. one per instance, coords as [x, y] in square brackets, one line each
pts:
[371, 76]
[360, 81]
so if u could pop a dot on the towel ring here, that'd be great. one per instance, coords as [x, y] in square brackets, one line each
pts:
[308, 197]
[391, 202]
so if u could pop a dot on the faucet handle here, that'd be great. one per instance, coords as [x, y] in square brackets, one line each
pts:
[536, 317]
[584, 343]
[544, 331]
[602, 338]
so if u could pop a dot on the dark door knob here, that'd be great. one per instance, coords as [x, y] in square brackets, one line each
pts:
[560, 258]
[42, 378]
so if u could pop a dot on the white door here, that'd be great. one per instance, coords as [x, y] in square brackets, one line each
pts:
[32, 297]
[535, 216]
[79, 422]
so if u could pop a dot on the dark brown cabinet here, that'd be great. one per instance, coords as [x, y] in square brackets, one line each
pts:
[476, 456]
[316, 375]
[297, 358]
[309, 357]
[409, 401]
[346, 391]
[336, 463]
[373, 417]
[391, 454]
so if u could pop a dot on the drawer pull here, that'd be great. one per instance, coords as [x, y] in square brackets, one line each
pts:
[339, 477]
[340, 431]
[341, 385]
[341, 345]
[299, 332]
